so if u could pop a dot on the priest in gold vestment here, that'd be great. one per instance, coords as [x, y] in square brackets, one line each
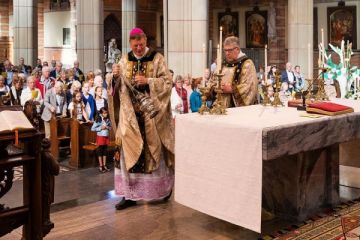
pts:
[146, 169]
[239, 83]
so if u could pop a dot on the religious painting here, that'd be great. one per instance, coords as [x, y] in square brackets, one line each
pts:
[256, 29]
[229, 21]
[342, 25]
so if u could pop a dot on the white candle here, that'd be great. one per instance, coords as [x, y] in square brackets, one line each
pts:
[309, 60]
[204, 55]
[218, 60]
[204, 61]
[323, 47]
[265, 67]
[220, 50]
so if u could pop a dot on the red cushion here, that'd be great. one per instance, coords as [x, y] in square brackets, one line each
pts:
[329, 106]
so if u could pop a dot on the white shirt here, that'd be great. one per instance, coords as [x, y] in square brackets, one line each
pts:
[26, 95]
[176, 100]
[290, 77]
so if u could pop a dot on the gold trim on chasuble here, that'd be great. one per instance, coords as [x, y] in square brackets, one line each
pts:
[130, 70]
[228, 78]
[150, 162]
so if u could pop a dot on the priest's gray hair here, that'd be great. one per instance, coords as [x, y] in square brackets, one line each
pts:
[234, 41]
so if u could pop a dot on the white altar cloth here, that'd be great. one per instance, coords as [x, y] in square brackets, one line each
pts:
[219, 159]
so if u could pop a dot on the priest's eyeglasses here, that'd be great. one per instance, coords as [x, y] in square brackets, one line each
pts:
[230, 49]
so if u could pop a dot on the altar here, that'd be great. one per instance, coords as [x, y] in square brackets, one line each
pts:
[229, 166]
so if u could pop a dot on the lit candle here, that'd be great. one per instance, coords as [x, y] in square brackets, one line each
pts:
[265, 67]
[204, 63]
[220, 50]
[309, 60]
[319, 59]
[342, 60]
[218, 58]
[204, 55]
[323, 47]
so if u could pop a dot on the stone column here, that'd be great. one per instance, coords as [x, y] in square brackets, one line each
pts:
[300, 34]
[73, 28]
[128, 22]
[187, 31]
[25, 31]
[90, 34]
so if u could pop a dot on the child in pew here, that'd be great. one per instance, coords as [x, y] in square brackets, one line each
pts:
[77, 108]
[89, 101]
[102, 127]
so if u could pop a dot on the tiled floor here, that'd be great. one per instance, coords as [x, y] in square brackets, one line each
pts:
[84, 209]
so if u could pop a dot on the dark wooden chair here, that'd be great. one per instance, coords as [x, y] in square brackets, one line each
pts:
[30, 214]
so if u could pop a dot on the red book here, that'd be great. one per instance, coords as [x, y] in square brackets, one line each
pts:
[328, 108]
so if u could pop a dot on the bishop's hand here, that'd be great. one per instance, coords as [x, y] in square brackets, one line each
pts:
[141, 80]
[226, 87]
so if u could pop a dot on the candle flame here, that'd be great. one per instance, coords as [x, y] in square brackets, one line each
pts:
[221, 28]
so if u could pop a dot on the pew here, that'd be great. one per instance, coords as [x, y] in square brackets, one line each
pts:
[59, 135]
[83, 147]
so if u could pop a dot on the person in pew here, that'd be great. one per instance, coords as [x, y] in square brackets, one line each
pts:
[89, 101]
[55, 73]
[77, 108]
[146, 140]
[64, 79]
[78, 74]
[195, 97]
[31, 93]
[99, 82]
[54, 104]
[75, 86]
[100, 102]
[16, 90]
[90, 76]
[4, 92]
[45, 82]
[102, 127]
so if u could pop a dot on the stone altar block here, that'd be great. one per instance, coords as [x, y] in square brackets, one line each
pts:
[230, 166]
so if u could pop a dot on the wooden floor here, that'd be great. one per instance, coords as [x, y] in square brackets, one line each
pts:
[145, 221]
[79, 215]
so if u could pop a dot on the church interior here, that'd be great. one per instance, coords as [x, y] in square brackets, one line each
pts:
[180, 119]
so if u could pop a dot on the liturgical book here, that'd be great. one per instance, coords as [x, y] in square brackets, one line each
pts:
[328, 108]
[11, 120]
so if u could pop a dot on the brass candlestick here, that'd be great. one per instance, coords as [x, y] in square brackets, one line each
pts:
[309, 91]
[218, 106]
[277, 101]
[205, 91]
[321, 94]
[266, 100]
